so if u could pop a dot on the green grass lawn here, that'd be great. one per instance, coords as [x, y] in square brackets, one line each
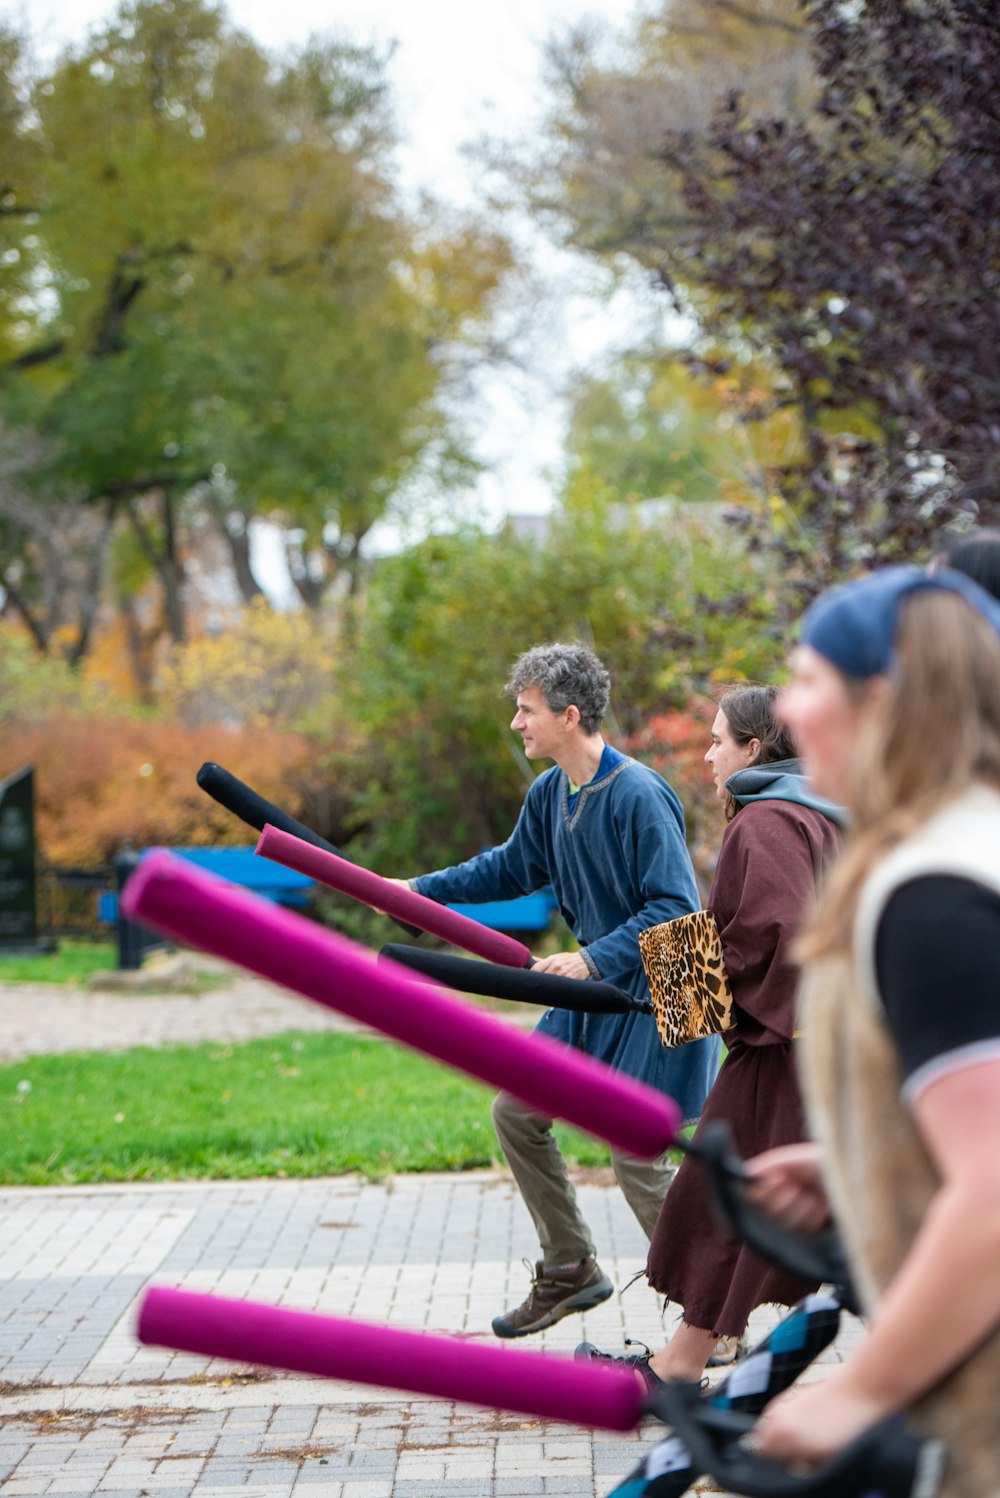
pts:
[74, 962]
[294, 1105]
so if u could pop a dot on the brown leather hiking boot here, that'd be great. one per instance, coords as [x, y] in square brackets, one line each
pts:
[554, 1295]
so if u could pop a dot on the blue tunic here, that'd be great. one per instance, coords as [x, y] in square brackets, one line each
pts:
[616, 858]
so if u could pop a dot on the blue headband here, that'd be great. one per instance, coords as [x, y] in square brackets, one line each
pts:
[854, 626]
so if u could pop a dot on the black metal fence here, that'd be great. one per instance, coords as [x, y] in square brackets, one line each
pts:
[76, 902]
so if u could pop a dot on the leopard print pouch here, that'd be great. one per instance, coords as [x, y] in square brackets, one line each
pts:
[687, 978]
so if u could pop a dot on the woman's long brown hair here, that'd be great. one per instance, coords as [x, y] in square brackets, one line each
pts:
[749, 711]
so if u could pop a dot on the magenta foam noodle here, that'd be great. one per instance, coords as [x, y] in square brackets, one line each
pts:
[528, 1383]
[194, 907]
[405, 904]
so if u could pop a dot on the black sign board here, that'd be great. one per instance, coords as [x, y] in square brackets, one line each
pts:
[17, 859]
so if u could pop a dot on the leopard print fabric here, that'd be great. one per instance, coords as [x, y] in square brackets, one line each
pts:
[687, 978]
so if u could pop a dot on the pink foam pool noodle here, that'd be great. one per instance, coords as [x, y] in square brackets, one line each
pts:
[194, 907]
[529, 1383]
[405, 904]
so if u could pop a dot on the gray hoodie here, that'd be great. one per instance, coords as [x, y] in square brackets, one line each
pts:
[782, 780]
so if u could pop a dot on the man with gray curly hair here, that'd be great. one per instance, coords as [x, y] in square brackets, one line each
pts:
[565, 674]
[608, 834]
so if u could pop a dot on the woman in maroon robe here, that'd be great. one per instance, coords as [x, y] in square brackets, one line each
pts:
[778, 839]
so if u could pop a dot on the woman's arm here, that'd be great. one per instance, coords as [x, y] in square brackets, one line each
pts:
[945, 1298]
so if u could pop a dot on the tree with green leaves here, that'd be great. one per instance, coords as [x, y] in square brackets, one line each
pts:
[441, 775]
[226, 305]
[648, 430]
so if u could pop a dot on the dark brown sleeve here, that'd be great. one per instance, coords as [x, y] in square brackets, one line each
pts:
[763, 880]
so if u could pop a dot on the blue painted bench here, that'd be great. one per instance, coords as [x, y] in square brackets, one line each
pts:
[288, 887]
[527, 913]
[240, 866]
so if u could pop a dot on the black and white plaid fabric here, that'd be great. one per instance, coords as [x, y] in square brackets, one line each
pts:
[666, 1470]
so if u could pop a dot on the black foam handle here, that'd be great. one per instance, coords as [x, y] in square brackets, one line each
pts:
[809, 1256]
[887, 1459]
[258, 812]
[493, 980]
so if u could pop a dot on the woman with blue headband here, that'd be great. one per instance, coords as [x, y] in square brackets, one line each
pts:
[895, 707]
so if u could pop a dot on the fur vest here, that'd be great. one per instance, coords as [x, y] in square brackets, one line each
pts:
[880, 1177]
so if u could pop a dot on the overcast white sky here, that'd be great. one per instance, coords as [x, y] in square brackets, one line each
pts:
[460, 69]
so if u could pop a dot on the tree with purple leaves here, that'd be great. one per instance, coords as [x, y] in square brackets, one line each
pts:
[847, 243]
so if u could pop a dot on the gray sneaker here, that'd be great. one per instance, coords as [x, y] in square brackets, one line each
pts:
[553, 1296]
[728, 1350]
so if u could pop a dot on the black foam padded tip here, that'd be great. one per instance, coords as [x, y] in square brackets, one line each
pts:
[244, 802]
[253, 809]
[491, 980]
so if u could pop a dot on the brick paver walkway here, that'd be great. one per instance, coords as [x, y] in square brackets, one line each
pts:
[84, 1410]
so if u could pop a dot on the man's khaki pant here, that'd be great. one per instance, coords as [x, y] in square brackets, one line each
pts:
[539, 1169]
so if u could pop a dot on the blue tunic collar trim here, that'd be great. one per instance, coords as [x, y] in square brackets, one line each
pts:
[612, 764]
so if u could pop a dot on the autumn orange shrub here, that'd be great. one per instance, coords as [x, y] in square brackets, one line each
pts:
[100, 780]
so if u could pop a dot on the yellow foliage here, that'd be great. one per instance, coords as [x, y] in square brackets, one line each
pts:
[270, 668]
